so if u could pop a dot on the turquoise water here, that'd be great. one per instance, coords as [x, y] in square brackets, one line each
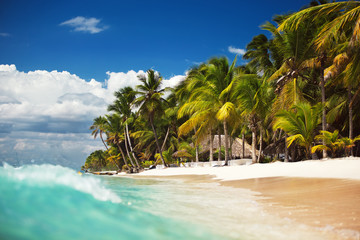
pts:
[54, 202]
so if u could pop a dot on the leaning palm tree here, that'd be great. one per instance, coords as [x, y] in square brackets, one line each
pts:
[98, 128]
[150, 101]
[115, 131]
[300, 124]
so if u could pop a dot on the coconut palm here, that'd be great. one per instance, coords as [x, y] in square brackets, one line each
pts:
[150, 101]
[115, 129]
[98, 128]
[212, 97]
[300, 124]
[254, 97]
[201, 111]
[342, 30]
[122, 106]
[331, 142]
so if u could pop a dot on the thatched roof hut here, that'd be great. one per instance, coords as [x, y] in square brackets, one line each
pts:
[236, 146]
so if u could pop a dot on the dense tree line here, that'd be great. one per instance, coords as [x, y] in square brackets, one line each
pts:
[296, 96]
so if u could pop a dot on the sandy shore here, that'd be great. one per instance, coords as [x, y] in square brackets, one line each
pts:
[321, 193]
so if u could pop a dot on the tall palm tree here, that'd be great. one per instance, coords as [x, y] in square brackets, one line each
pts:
[201, 111]
[98, 128]
[114, 127]
[343, 24]
[300, 124]
[254, 97]
[150, 101]
[122, 106]
[212, 97]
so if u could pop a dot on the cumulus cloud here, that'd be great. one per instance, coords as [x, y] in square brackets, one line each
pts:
[45, 115]
[82, 24]
[236, 50]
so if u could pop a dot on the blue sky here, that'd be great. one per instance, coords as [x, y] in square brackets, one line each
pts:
[169, 36]
[61, 61]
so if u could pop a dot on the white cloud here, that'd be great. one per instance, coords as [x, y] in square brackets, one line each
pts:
[119, 80]
[236, 50]
[82, 24]
[46, 115]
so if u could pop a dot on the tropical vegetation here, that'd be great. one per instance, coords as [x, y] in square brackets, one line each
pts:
[296, 98]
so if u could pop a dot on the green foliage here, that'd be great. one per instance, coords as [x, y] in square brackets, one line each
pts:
[300, 124]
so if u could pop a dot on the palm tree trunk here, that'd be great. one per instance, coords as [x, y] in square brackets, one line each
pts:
[219, 136]
[103, 141]
[122, 154]
[323, 99]
[166, 137]
[260, 147]
[197, 153]
[127, 150]
[157, 141]
[226, 144]
[243, 145]
[230, 147]
[196, 148]
[253, 146]
[211, 157]
[131, 149]
[286, 150]
[351, 127]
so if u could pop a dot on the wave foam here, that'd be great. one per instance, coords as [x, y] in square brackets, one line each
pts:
[48, 175]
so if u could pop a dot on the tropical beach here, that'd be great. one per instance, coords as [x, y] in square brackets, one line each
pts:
[321, 194]
[260, 142]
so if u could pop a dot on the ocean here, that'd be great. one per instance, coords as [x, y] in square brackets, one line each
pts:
[54, 202]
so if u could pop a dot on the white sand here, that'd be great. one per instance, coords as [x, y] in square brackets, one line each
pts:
[341, 168]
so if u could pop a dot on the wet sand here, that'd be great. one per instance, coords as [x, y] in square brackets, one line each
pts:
[325, 204]
[312, 201]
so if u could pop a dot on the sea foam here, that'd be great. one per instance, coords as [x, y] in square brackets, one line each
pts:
[50, 175]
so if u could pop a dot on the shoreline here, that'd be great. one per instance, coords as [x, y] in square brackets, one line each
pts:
[323, 194]
[340, 168]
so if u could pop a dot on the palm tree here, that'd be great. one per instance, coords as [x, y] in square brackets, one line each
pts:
[331, 140]
[98, 128]
[150, 101]
[114, 127]
[299, 124]
[122, 106]
[254, 97]
[343, 24]
[211, 97]
[201, 111]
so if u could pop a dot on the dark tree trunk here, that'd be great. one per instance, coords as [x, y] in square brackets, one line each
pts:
[103, 141]
[286, 150]
[323, 98]
[122, 154]
[243, 145]
[260, 147]
[351, 128]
